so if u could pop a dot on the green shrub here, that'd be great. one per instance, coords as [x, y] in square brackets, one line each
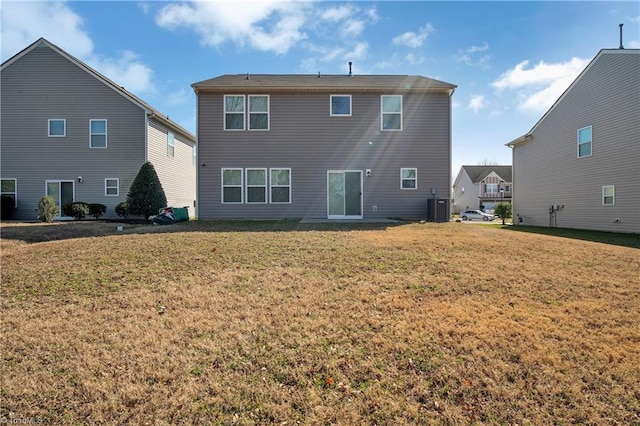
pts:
[48, 209]
[8, 206]
[77, 209]
[122, 210]
[96, 210]
[146, 196]
[503, 210]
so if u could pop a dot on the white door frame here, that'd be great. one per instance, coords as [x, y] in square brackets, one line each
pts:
[60, 181]
[344, 216]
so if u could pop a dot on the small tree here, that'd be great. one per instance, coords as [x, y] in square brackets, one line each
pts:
[122, 209]
[77, 210]
[146, 196]
[503, 210]
[96, 210]
[47, 208]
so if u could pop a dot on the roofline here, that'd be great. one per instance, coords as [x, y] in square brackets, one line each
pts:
[578, 78]
[519, 140]
[148, 109]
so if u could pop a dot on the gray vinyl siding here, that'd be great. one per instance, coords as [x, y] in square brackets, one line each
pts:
[305, 138]
[548, 171]
[177, 173]
[42, 85]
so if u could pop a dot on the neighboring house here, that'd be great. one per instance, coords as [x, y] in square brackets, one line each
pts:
[325, 146]
[481, 187]
[69, 132]
[579, 166]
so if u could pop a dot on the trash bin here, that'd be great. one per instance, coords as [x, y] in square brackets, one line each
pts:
[180, 214]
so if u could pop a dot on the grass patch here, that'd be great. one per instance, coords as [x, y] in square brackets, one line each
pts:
[273, 322]
[620, 239]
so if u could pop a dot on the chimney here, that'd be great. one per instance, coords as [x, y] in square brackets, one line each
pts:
[350, 63]
[621, 46]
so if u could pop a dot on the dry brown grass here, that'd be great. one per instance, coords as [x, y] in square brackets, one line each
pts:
[410, 324]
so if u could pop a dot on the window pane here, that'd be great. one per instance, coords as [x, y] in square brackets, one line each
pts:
[409, 184]
[257, 194]
[232, 195]
[234, 104]
[392, 104]
[280, 195]
[341, 105]
[234, 121]
[258, 104]
[408, 173]
[98, 141]
[8, 185]
[584, 149]
[584, 135]
[56, 128]
[258, 121]
[112, 191]
[391, 121]
[280, 177]
[98, 126]
[256, 177]
[232, 177]
[608, 191]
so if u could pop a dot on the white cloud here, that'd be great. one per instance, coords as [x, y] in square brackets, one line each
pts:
[538, 87]
[337, 13]
[467, 56]
[270, 25]
[358, 52]
[477, 102]
[414, 39]
[59, 24]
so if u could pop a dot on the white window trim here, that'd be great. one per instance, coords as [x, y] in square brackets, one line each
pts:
[171, 144]
[247, 186]
[244, 113]
[578, 142]
[64, 134]
[331, 114]
[403, 179]
[613, 187]
[268, 112]
[382, 113]
[223, 186]
[106, 132]
[15, 193]
[271, 185]
[194, 155]
[117, 187]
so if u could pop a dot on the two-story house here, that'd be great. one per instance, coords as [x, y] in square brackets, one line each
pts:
[323, 146]
[481, 187]
[69, 132]
[579, 166]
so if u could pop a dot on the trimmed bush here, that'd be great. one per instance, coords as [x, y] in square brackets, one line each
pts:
[8, 206]
[122, 209]
[96, 210]
[503, 210]
[77, 209]
[146, 196]
[47, 208]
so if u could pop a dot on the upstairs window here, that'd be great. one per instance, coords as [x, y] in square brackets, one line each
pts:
[171, 144]
[234, 112]
[280, 186]
[232, 186]
[57, 128]
[10, 189]
[391, 116]
[585, 141]
[491, 188]
[98, 133]
[608, 195]
[409, 178]
[340, 106]
[258, 112]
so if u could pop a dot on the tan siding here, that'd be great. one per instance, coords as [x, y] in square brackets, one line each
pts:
[547, 170]
[177, 174]
[305, 138]
[43, 85]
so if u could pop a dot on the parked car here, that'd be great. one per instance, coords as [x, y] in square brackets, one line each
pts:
[476, 214]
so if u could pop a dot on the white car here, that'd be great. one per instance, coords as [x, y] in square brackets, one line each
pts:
[476, 214]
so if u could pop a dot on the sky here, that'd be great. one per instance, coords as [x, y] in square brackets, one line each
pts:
[510, 60]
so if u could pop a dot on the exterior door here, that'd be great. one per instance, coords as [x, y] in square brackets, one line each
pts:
[62, 192]
[344, 194]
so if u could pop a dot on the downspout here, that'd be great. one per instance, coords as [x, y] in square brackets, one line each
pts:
[197, 200]
[146, 135]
